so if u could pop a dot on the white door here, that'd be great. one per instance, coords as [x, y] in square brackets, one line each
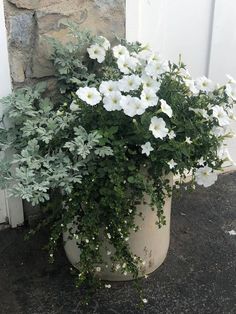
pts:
[203, 31]
[10, 208]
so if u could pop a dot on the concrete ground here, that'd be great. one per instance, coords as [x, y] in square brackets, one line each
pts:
[198, 276]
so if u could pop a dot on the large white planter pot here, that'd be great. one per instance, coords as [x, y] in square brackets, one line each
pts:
[150, 243]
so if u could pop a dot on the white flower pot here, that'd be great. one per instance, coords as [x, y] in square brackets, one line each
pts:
[150, 243]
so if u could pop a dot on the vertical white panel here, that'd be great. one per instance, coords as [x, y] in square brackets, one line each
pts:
[10, 208]
[223, 50]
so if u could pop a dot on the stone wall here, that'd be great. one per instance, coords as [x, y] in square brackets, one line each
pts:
[29, 22]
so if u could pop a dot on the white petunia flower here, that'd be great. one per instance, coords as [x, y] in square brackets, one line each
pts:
[156, 56]
[231, 79]
[220, 115]
[171, 135]
[97, 52]
[119, 51]
[129, 82]
[158, 127]
[148, 82]
[74, 106]
[149, 97]
[126, 64]
[204, 84]
[105, 42]
[218, 131]
[171, 164]
[185, 73]
[147, 148]
[132, 106]
[188, 140]
[166, 108]
[191, 85]
[111, 102]
[89, 94]
[204, 176]
[231, 91]
[145, 54]
[155, 69]
[223, 154]
[106, 87]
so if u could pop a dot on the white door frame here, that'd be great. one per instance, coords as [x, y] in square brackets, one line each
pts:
[11, 209]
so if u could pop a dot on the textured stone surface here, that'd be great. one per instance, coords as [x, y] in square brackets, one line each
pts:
[29, 22]
[198, 276]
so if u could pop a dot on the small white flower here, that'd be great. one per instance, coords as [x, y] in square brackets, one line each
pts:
[89, 94]
[204, 176]
[220, 115]
[126, 64]
[171, 164]
[188, 140]
[148, 82]
[204, 84]
[117, 267]
[155, 69]
[166, 108]
[201, 161]
[97, 52]
[232, 232]
[129, 82]
[149, 97]
[127, 238]
[108, 253]
[171, 135]
[87, 240]
[145, 301]
[109, 235]
[105, 42]
[98, 269]
[74, 106]
[147, 148]
[125, 273]
[119, 51]
[106, 87]
[108, 286]
[158, 127]
[111, 102]
[132, 106]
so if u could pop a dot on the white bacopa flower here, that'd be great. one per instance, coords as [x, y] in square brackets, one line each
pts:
[90, 95]
[117, 267]
[145, 301]
[188, 140]
[201, 161]
[106, 87]
[171, 164]
[171, 135]
[109, 235]
[158, 127]
[204, 84]
[98, 269]
[129, 82]
[147, 148]
[74, 106]
[191, 85]
[105, 42]
[111, 102]
[149, 97]
[97, 52]
[132, 106]
[126, 64]
[155, 69]
[119, 51]
[166, 108]
[220, 115]
[205, 176]
[108, 253]
[108, 286]
[150, 83]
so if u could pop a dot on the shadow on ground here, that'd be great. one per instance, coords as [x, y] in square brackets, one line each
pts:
[198, 276]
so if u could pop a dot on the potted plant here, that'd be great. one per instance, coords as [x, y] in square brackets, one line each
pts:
[100, 158]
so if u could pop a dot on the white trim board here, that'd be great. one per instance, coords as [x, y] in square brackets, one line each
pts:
[11, 209]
